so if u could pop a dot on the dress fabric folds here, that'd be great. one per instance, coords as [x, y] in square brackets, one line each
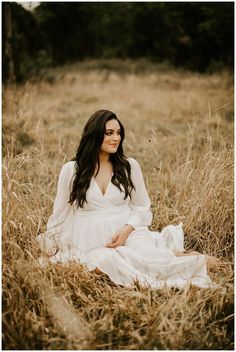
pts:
[147, 256]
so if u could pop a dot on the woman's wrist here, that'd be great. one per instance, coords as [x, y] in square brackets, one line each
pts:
[129, 228]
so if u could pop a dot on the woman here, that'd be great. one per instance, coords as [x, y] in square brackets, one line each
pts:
[101, 213]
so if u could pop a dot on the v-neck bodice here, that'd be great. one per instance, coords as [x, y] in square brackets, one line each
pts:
[107, 187]
[112, 200]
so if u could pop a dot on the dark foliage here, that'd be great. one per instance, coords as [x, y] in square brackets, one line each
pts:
[198, 36]
[28, 46]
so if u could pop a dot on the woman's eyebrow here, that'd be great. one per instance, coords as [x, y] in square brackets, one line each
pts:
[110, 129]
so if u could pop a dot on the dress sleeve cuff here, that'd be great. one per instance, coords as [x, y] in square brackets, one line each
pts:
[134, 220]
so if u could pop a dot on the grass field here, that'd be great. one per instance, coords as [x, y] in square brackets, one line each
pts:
[179, 126]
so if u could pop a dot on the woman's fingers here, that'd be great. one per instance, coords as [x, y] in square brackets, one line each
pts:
[115, 238]
[110, 245]
[115, 244]
[114, 241]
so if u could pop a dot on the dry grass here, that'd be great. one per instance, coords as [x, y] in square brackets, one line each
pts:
[179, 126]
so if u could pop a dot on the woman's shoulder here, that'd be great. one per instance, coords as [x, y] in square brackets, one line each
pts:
[133, 163]
[68, 167]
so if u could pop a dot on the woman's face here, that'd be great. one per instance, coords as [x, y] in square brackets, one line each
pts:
[112, 137]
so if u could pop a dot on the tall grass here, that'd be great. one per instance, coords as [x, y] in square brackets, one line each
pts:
[179, 126]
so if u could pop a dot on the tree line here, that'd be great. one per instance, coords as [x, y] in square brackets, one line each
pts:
[194, 35]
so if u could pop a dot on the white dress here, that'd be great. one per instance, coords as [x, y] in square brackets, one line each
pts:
[147, 256]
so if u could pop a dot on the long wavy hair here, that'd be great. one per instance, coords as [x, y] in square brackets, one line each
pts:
[87, 158]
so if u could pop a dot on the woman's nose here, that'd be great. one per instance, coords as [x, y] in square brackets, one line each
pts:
[115, 137]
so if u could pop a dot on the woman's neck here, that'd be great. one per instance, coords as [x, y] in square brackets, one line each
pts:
[104, 158]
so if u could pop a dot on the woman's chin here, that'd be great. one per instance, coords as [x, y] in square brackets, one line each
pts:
[113, 150]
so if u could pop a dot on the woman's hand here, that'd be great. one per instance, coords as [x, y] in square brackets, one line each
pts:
[120, 237]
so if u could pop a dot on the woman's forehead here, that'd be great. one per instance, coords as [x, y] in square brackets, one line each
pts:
[112, 125]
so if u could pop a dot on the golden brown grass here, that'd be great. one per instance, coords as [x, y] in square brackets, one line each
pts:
[179, 126]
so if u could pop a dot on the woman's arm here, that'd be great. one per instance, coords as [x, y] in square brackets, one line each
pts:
[61, 210]
[140, 207]
[141, 214]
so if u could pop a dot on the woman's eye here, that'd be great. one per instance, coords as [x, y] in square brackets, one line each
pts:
[111, 133]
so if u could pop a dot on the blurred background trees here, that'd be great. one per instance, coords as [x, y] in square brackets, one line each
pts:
[193, 35]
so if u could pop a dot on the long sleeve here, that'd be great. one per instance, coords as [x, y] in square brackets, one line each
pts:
[141, 214]
[61, 209]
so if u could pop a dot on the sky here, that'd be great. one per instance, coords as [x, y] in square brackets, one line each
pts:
[30, 5]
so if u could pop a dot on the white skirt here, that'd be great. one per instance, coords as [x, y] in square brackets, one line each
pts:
[147, 256]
